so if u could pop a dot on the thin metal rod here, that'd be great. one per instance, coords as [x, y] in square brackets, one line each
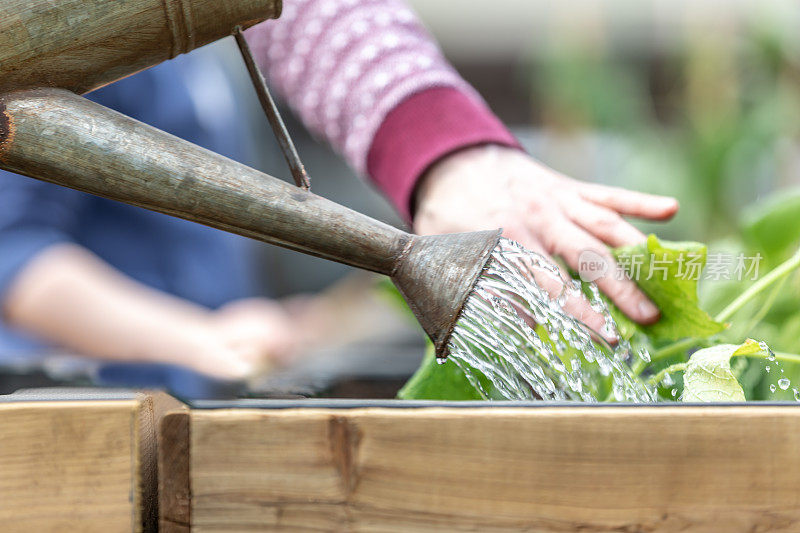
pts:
[299, 173]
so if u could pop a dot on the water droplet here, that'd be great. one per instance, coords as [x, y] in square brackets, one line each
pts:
[764, 347]
[667, 381]
[772, 388]
[644, 355]
[674, 392]
[784, 383]
[767, 369]
[796, 394]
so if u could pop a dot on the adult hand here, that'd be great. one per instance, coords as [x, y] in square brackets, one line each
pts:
[492, 186]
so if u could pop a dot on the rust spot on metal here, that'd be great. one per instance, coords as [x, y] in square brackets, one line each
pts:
[6, 129]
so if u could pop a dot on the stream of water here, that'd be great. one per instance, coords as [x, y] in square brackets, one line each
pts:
[514, 340]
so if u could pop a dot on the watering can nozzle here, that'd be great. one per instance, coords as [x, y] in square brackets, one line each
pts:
[50, 133]
[437, 275]
[57, 136]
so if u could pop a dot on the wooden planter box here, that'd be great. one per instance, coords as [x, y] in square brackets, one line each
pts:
[79, 460]
[338, 466]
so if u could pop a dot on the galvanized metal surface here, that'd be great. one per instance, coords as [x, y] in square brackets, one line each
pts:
[59, 137]
[436, 276]
[84, 44]
[288, 148]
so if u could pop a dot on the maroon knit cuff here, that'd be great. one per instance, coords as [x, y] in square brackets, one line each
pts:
[421, 130]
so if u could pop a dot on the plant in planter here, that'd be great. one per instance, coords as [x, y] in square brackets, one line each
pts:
[689, 354]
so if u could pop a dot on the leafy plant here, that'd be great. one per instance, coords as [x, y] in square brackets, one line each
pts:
[688, 349]
[434, 381]
[668, 273]
[708, 376]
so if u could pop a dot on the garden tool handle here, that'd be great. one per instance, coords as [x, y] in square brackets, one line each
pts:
[288, 148]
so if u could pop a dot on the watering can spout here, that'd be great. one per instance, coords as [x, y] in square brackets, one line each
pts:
[52, 51]
[57, 136]
[436, 276]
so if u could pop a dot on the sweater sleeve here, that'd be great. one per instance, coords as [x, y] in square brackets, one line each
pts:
[355, 71]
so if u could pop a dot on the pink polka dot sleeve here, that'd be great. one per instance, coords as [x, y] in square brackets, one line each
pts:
[344, 65]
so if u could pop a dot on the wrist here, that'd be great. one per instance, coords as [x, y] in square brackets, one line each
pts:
[422, 130]
[172, 339]
[456, 170]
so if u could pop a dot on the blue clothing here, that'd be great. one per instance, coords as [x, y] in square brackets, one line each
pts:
[201, 264]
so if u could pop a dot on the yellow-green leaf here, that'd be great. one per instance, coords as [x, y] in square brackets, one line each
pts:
[668, 272]
[708, 376]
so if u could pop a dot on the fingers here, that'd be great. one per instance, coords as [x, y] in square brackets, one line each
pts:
[570, 242]
[631, 203]
[603, 223]
[575, 305]
[258, 329]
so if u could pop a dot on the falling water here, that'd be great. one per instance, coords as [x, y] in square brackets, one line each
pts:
[514, 340]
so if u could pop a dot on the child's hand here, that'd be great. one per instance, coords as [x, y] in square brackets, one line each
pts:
[256, 334]
[241, 340]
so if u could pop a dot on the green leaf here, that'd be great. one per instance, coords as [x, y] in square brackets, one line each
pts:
[773, 225]
[788, 335]
[434, 381]
[668, 272]
[708, 376]
[669, 287]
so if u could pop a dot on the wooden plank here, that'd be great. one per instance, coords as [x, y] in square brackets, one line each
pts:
[174, 488]
[496, 469]
[80, 464]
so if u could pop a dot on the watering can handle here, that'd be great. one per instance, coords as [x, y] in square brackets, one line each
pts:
[296, 166]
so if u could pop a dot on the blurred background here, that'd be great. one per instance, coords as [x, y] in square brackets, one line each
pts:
[700, 100]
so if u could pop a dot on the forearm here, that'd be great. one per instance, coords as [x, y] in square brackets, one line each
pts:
[71, 298]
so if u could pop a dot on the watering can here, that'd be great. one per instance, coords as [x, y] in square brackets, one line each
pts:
[52, 51]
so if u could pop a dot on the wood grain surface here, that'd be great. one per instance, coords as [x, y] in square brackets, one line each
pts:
[174, 488]
[540, 469]
[80, 465]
